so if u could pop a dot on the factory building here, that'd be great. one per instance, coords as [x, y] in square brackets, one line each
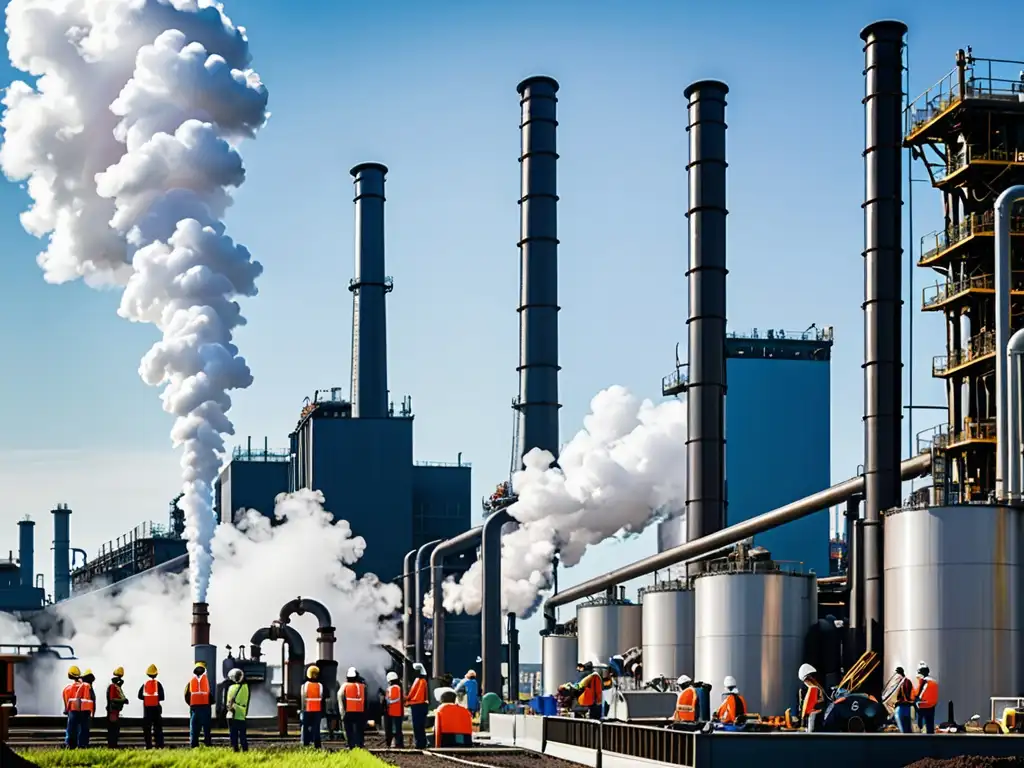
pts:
[146, 546]
[778, 394]
[21, 589]
[252, 479]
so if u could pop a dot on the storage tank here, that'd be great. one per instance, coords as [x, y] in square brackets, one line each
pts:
[607, 626]
[667, 630]
[558, 657]
[751, 619]
[952, 599]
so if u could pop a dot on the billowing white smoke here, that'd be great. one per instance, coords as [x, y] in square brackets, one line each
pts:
[259, 569]
[127, 144]
[625, 470]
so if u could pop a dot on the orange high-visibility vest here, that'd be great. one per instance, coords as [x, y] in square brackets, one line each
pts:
[151, 693]
[417, 692]
[355, 697]
[68, 695]
[314, 696]
[686, 705]
[199, 691]
[85, 697]
[451, 719]
[811, 699]
[733, 706]
[928, 697]
[593, 691]
[395, 708]
[905, 693]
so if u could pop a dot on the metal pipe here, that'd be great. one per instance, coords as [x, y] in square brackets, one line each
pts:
[61, 552]
[538, 271]
[1004, 282]
[26, 552]
[1015, 430]
[883, 303]
[295, 670]
[325, 627]
[418, 595]
[837, 494]
[408, 610]
[368, 287]
[453, 546]
[853, 571]
[200, 624]
[705, 399]
[491, 609]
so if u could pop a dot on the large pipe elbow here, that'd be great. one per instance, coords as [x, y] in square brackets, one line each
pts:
[303, 605]
[296, 645]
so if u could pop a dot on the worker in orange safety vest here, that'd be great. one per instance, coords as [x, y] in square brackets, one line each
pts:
[87, 700]
[591, 696]
[686, 702]
[313, 700]
[416, 700]
[115, 703]
[904, 704]
[394, 713]
[815, 698]
[926, 697]
[733, 710]
[352, 703]
[73, 706]
[453, 725]
[200, 704]
[151, 693]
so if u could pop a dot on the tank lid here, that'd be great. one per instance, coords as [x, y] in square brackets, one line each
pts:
[604, 600]
[674, 585]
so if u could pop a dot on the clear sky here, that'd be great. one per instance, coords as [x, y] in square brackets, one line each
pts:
[429, 89]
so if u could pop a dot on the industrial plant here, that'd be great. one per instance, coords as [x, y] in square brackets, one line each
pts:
[755, 591]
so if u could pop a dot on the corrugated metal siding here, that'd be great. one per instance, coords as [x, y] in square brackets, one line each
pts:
[440, 502]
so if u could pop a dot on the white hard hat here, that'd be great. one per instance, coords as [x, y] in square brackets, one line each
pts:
[922, 664]
[439, 692]
[392, 677]
[419, 668]
[352, 672]
[684, 680]
[806, 670]
[729, 682]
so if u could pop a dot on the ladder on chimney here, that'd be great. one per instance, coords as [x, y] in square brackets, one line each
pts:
[355, 347]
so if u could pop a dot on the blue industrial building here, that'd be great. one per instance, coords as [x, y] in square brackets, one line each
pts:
[251, 480]
[777, 438]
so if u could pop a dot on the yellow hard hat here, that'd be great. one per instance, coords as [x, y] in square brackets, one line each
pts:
[201, 664]
[151, 670]
[313, 671]
[87, 673]
[74, 671]
[119, 672]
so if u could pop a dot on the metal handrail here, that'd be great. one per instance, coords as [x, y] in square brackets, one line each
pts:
[674, 380]
[980, 83]
[975, 154]
[980, 345]
[975, 224]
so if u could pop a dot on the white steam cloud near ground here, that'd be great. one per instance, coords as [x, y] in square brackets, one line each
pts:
[625, 470]
[127, 144]
[259, 568]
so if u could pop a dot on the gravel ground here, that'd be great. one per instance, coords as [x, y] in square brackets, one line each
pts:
[968, 761]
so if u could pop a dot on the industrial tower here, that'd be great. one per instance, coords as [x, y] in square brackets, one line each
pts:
[968, 129]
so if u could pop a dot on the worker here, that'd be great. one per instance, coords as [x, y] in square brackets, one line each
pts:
[733, 709]
[490, 703]
[352, 702]
[591, 687]
[904, 703]
[115, 703]
[197, 696]
[88, 704]
[72, 706]
[814, 699]
[394, 713]
[151, 694]
[416, 700]
[237, 702]
[313, 700]
[926, 698]
[471, 688]
[453, 725]
[686, 701]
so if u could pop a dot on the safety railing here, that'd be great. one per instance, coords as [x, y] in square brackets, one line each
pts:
[935, 438]
[936, 243]
[934, 295]
[442, 464]
[975, 430]
[985, 79]
[974, 154]
[645, 743]
[572, 732]
[247, 453]
[674, 383]
[979, 346]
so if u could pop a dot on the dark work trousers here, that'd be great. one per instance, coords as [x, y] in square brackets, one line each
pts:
[904, 717]
[419, 725]
[239, 739]
[71, 734]
[153, 726]
[355, 724]
[200, 720]
[311, 729]
[84, 726]
[393, 731]
[926, 716]
[113, 728]
[594, 712]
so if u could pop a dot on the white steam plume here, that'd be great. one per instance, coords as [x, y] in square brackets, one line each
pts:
[127, 145]
[625, 470]
[259, 569]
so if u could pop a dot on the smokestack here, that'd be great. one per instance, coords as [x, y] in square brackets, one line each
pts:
[200, 624]
[61, 552]
[369, 286]
[883, 203]
[538, 267]
[705, 399]
[26, 552]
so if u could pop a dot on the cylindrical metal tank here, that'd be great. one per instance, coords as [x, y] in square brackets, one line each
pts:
[667, 630]
[606, 627]
[558, 657]
[952, 599]
[751, 624]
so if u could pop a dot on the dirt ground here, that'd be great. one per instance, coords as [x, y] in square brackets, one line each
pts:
[967, 761]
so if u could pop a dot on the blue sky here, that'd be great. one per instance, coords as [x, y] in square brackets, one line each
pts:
[429, 89]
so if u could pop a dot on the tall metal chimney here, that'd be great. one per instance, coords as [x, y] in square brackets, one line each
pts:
[369, 286]
[61, 552]
[26, 552]
[201, 648]
[538, 267]
[883, 250]
[705, 399]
